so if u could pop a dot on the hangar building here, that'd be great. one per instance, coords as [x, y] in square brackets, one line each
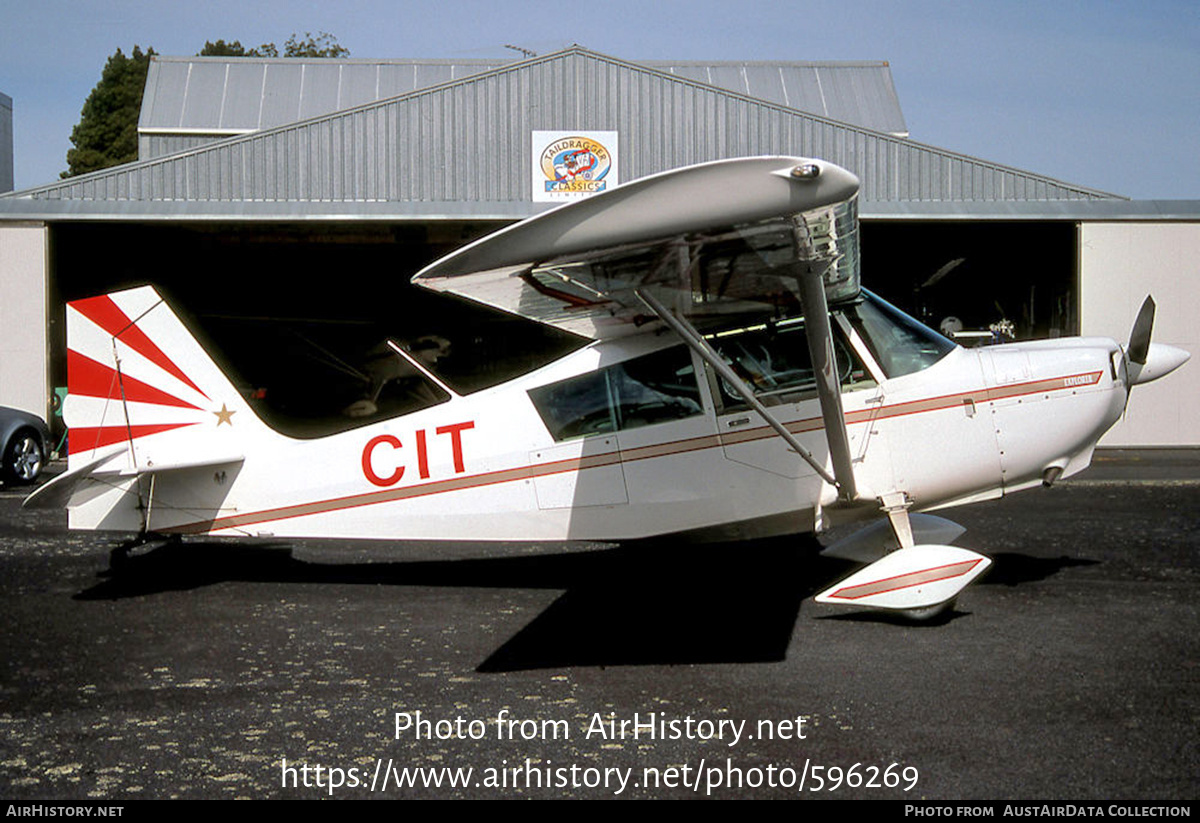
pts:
[286, 203]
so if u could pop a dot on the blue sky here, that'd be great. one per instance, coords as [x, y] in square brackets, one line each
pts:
[1100, 94]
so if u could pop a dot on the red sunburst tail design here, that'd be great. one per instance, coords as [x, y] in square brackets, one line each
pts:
[88, 378]
[87, 438]
[108, 315]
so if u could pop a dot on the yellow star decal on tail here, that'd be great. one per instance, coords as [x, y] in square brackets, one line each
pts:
[225, 415]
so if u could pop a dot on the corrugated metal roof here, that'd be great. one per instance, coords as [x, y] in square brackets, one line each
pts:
[193, 100]
[211, 95]
[468, 141]
[859, 93]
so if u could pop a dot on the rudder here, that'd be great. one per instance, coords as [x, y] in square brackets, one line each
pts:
[136, 376]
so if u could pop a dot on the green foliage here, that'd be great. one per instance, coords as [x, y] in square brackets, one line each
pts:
[107, 131]
[223, 49]
[323, 45]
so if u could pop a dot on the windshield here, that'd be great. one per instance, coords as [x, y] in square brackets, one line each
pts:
[899, 343]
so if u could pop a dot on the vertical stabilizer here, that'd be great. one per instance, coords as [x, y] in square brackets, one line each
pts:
[144, 401]
[135, 374]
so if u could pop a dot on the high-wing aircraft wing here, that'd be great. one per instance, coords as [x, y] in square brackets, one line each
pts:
[714, 238]
[729, 236]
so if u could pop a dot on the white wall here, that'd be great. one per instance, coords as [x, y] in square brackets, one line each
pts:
[23, 320]
[1120, 263]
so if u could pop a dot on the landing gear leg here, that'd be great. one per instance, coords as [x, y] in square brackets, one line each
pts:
[895, 506]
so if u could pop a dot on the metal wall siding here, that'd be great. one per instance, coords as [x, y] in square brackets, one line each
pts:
[197, 178]
[342, 172]
[266, 152]
[263, 93]
[193, 178]
[411, 130]
[423, 180]
[469, 141]
[158, 145]
[337, 181]
[313, 144]
[276, 176]
[170, 173]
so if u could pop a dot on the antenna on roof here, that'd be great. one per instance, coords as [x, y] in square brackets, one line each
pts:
[526, 52]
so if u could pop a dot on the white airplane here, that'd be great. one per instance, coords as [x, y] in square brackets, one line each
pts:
[738, 383]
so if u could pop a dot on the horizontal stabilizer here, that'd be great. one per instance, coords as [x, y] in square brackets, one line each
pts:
[57, 493]
[913, 578]
[868, 544]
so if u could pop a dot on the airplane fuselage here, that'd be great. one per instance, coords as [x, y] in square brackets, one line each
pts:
[634, 437]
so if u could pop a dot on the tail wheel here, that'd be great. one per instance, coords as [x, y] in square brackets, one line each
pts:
[23, 459]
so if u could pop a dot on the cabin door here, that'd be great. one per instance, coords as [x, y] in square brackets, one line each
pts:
[773, 360]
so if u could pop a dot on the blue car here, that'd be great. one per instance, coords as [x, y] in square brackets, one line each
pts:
[24, 441]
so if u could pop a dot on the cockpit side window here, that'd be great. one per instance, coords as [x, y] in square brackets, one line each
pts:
[773, 359]
[899, 343]
[655, 388]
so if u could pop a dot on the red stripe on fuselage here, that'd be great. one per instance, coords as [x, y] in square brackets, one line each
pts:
[941, 403]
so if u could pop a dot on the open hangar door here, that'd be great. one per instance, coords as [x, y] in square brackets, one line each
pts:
[299, 315]
[981, 273]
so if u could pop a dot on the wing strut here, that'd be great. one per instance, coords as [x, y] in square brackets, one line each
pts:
[698, 344]
[820, 345]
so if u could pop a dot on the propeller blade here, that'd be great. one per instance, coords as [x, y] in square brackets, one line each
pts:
[1139, 338]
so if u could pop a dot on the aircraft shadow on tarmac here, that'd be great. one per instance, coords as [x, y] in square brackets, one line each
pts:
[1012, 569]
[645, 603]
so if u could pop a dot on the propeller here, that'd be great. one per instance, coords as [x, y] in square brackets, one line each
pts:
[1146, 361]
[1139, 338]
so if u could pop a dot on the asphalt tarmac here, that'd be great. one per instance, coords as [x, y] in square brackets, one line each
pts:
[218, 669]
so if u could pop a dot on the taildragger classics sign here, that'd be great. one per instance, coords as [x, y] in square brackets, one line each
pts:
[569, 165]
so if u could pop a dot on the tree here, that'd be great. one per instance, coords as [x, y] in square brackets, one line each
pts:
[223, 49]
[323, 45]
[106, 134]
